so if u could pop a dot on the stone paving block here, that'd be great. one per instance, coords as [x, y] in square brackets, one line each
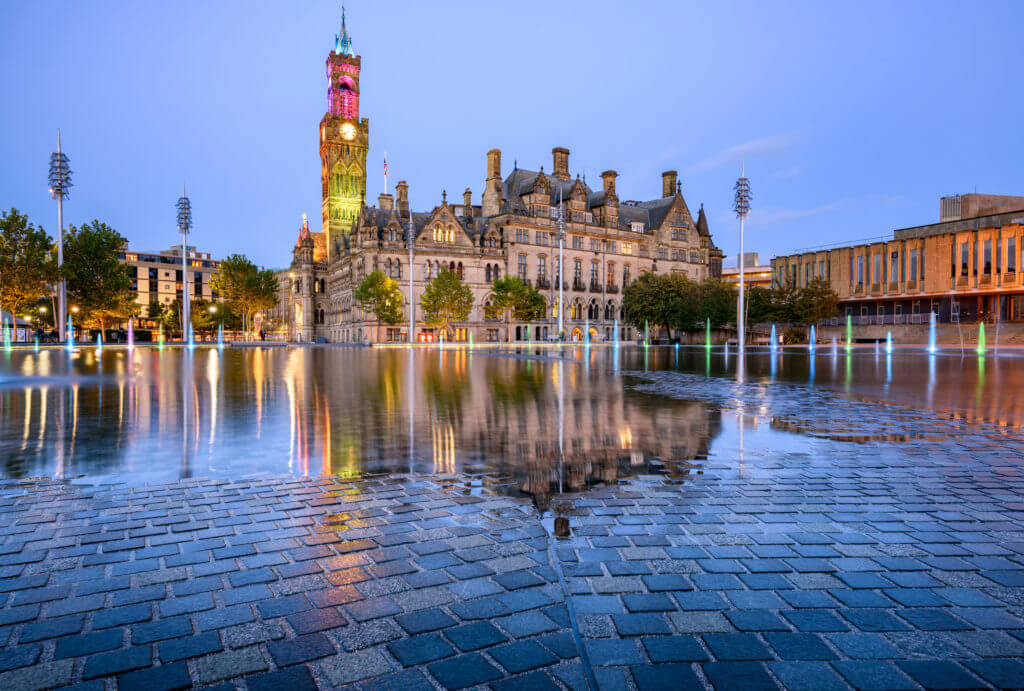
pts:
[674, 649]
[86, 644]
[939, 674]
[641, 624]
[374, 609]
[230, 664]
[106, 664]
[367, 634]
[292, 678]
[807, 676]
[700, 622]
[872, 675]
[464, 671]
[42, 676]
[51, 628]
[162, 678]
[864, 645]
[741, 676]
[300, 649]
[1002, 674]
[526, 624]
[736, 646]
[191, 646]
[613, 652]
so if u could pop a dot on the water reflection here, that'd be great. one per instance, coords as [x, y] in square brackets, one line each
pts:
[540, 421]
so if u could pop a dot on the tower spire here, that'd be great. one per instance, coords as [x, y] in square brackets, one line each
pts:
[342, 41]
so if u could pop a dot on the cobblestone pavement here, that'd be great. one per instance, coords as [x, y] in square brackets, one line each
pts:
[809, 574]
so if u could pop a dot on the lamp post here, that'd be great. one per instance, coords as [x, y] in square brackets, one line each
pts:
[60, 181]
[184, 207]
[741, 204]
[291, 292]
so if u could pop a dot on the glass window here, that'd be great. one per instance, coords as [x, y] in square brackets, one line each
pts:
[913, 265]
[522, 266]
[876, 269]
[964, 252]
[860, 270]
[1011, 255]
[987, 266]
[894, 270]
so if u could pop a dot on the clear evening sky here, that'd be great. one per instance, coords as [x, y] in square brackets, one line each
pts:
[853, 117]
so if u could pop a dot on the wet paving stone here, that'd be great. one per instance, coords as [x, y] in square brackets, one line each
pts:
[814, 575]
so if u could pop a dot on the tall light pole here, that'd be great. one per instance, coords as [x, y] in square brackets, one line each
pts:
[742, 206]
[60, 181]
[184, 225]
[412, 304]
[561, 261]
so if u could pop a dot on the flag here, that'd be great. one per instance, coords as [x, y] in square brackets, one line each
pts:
[385, 164]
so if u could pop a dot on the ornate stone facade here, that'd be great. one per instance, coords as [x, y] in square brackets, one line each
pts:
[514, 230]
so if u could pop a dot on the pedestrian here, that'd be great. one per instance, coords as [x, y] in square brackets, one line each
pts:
[263, 335]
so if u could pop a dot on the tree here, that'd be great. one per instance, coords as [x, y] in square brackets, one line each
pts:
[815, 301]
[97, 282]
[716, 302]
[380, 296]
[27, 265]
[245, 287]
[660, 300]
[446, 299]
[511, 297]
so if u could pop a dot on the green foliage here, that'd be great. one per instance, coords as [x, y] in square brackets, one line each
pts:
[511, 297]
[245, 287]
[97, 282]
[672, 301]
[380, 296]
[789, 304]
[28, 267]
[446, 299]
[794, 336]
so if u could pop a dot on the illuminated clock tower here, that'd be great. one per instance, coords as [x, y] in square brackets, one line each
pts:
[344, 139]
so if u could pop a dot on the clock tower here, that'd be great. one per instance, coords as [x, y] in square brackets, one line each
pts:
[344, 139]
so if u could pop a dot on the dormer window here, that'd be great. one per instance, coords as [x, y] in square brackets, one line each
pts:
[637, 226]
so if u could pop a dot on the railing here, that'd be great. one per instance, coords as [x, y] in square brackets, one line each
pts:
[613, 289]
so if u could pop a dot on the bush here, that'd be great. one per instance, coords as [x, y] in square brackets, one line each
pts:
[794, 335]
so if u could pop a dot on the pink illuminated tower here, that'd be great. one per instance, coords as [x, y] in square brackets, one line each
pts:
[344, 139]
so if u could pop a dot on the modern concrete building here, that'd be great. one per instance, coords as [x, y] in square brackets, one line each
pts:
[157, 276]
[965, 269]
[755, 274]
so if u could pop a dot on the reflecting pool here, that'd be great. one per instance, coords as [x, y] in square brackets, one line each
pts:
[537, 421]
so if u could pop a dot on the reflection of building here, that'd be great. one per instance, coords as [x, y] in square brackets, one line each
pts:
[963, 269]
[755, 274]
[157, 275]
[513, 230]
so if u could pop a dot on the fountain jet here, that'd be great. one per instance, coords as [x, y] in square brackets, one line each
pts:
[812, 338]
[981, 338]
[131, 333]
[888, 342]
[931, 333]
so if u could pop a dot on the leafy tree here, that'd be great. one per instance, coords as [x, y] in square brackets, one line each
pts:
[245, 287]
[97, 282]
[510, 296]
[815, 301]
[380, 296]
[28, 268]
[446, 299]
[660, 300]
[716, 301]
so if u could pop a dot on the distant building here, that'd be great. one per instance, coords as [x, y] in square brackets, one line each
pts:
[964, 269]
[755, 274]
[157, 275]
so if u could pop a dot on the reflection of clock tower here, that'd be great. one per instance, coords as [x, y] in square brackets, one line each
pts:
[344, 139]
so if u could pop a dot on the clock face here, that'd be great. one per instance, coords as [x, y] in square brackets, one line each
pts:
[348, 131]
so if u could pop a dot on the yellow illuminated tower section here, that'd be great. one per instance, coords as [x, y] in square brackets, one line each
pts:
[344, 139]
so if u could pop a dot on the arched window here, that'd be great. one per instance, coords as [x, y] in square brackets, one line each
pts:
[428, 274]
[437, 268]
[459, 271]
[487, 273]
[398, 268]
[451, 266]
[387, 267]
[496, 272]
[323, 286]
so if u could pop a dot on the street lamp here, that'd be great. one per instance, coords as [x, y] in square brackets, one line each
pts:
[561, 261]
[412, 305]
[741, 204]
[184, 207]
[60, 182]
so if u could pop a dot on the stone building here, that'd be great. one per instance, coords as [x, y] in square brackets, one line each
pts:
[514, 229]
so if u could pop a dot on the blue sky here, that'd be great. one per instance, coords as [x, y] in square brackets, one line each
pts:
[853, 117]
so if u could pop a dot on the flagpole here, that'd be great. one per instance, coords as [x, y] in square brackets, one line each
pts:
[385, 172]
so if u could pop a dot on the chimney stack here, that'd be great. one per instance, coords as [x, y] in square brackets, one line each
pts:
[490, 202]
[608, 178]
[467, 202]
[668, 183]
[402, 199]
[385, 202]
[560, 168]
